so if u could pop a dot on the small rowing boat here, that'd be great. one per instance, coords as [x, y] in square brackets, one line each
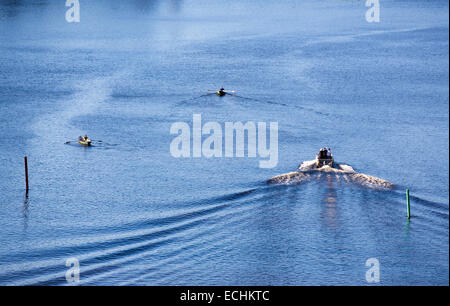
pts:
[84, 141]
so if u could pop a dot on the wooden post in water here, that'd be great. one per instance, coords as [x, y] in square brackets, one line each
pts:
[26, 173]
[407, 203]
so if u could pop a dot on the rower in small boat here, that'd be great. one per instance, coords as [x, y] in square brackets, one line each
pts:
[221, 92]
[84, 140]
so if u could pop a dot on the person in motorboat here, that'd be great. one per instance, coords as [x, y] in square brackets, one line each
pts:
[324, 157]
[322, 153]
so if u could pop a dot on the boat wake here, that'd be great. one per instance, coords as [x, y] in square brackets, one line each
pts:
[308, 170]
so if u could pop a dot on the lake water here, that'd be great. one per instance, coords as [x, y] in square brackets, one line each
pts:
[131, 214]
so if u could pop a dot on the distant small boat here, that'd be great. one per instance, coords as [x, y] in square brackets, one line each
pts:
[84, 141]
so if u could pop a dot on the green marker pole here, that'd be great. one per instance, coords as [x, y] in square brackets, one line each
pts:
[407, 203]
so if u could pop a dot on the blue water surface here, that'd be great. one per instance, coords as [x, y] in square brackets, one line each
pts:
[132, 214]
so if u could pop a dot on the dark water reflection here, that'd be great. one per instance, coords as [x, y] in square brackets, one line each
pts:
[330, 203]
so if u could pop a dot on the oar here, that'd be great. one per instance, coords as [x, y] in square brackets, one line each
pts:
[219, 90]
[70, 141]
